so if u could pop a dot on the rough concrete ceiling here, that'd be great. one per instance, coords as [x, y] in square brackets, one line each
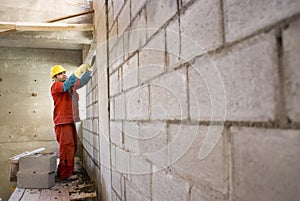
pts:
[45, 11]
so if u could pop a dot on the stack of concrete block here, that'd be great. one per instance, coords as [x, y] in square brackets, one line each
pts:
[37, 171]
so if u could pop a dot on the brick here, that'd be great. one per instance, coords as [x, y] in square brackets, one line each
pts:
[169, 187]
[185, 144]
[43, 163]
[201, 24]
[137, 103]
[291, 63]
[35, 180]
[168, 96]
[247, 74]
[130, 73]
[266, 164]
[245, 17]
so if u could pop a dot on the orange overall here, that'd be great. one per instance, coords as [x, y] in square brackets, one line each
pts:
[64, 115]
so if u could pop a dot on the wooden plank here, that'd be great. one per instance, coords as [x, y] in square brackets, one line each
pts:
[17, 194]
[13, 26]
[8, 25]
[71, 16]
[23, 26]
[31, 195]
[26, 153]
[27, 26]
[45, 194]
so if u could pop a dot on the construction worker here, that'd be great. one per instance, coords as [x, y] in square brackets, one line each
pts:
[66, 113]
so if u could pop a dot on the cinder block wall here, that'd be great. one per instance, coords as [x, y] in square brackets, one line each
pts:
[195, 100]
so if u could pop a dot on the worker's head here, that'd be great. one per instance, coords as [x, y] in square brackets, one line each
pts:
[58, 72]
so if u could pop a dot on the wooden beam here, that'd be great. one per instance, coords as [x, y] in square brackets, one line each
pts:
[71, 16]
[8, 25]
[27, 26]
[48, 21]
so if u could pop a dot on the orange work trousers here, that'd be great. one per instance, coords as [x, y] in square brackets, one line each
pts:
[66, 136]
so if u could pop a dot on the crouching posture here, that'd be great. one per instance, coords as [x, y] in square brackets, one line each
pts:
[66, 113]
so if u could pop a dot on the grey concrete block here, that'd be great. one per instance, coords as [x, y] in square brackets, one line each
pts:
[201, 24]
[291, 68]
[168, 96]
[35, 180]
[168, 187]
[38, 163]
[137, 103]
[185, 144]
[245, 17]
[266, 164]
[243, 78]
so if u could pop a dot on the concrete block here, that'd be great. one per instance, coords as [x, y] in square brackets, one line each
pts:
[115, 82]
[130, 73]
[116, 54]
[173, 43]
[245, 17]
[35, 179]
[137, 103]
[140, 175]
[137, 6]
[185, 145]
[168, 96]
[116, 183]
[197, 195]
[169, 187]
[266, 164]
[242, 81]
[291, 63]
[158, 13]
[131, 137]
[124, 17]
[201, 24]
[151, 64]
[153, 137]
[119, 107]
[117, 6]
[38, 163]
[116, 133]
[132, 193]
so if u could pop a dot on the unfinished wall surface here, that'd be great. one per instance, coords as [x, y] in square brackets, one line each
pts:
[195, 100]
[26, 103]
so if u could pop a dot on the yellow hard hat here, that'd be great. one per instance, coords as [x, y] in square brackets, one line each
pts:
[56, 70]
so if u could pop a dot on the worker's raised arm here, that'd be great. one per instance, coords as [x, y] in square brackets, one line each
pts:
[75, 76]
